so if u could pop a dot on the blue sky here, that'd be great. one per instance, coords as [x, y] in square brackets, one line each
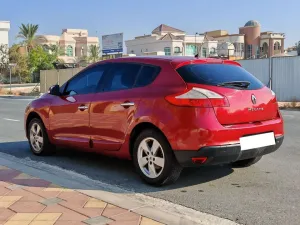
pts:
[138, 17]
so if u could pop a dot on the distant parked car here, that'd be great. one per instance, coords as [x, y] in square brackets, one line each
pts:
[164, 113]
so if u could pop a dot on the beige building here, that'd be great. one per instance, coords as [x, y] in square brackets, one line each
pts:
[75, 43]
[166, 40]
[250, 42]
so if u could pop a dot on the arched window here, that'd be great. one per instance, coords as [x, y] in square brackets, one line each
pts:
[69, 50]
[277, 46]
[265, 48]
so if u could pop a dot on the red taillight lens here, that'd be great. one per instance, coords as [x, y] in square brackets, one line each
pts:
[198, 97]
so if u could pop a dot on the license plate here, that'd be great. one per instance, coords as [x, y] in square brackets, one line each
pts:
[257, 141]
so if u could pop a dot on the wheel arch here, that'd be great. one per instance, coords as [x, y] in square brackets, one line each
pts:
[32, 115]
[138, 129]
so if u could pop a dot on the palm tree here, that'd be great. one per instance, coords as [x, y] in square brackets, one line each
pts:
[56, 50]
[27, 33]
[94, 51]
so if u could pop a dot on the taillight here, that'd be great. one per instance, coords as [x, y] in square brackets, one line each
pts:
[198, 97]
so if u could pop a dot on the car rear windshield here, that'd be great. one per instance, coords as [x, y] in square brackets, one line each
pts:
[218, 74]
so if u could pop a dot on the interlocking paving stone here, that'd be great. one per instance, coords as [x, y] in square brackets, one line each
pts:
[89, 212]
[25, 176]
[8, 175]
[51, 201]
[27, 207]
[32, 182]
[67, 214]
[7, 201]
[48, 216]
[74, 197]
[112, 210]
[95, 203]
[17, 223]
[99, 220]
[23, 217]
[26, 195]
[14, 187]
[25, 199]
[147, 221]
[6, 214]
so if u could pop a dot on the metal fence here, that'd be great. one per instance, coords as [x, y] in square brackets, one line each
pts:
[281, 74]
[52, 77]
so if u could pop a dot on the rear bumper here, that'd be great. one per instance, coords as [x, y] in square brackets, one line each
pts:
[223, 154]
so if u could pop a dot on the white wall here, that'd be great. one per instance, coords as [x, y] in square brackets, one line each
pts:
[209, 45]
[151, 44]
[4, 29]
[191, 39]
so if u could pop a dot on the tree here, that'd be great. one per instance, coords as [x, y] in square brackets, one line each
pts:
[39, 59]
[298, 48]
[56, 50]
[3, 57]
[27, 33]
[94, 52]
[21, 68]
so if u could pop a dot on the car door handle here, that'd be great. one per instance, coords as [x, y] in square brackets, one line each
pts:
[127, 104]
[82, 107]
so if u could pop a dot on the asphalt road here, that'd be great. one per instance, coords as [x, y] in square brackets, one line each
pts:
[266, 193]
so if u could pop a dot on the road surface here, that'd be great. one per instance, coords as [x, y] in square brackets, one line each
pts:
[266, 193]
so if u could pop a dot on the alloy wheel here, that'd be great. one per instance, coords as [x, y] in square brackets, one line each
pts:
[151, 157]
[36, 137]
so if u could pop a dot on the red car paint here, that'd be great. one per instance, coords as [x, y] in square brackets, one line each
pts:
[106, 126]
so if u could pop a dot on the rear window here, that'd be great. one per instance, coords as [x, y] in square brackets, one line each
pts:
[214, 74]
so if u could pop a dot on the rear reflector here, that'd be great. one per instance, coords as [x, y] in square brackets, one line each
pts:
[198, 97]
[199, 160]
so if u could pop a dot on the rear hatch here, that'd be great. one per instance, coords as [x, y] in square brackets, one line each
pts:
[246, 99]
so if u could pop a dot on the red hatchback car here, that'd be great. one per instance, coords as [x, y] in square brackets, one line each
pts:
[164, 113]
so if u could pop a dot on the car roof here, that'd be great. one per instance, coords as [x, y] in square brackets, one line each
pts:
[175, 61]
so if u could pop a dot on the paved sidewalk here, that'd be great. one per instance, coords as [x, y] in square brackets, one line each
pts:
[27, 200]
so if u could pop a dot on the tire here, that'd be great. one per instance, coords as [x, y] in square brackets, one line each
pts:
[171, 169]
[41, 144]
[246, 162]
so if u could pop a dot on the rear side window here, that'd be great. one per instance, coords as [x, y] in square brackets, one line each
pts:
[122, 76]
[147, 75]
[215, 74]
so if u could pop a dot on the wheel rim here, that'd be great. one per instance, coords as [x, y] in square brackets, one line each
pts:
[36, 137]
[151, 157]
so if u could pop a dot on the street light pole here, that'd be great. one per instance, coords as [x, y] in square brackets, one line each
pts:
[9, 79]
[11, 65]
[196, 50]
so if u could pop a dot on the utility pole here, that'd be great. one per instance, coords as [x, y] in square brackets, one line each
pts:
[196, 49]
[11, 65]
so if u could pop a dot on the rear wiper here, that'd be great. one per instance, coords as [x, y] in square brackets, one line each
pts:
[241, 84]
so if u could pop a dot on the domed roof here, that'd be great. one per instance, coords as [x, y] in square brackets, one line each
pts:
[252, 23]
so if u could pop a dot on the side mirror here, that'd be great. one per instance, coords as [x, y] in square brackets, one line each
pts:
[54, 90]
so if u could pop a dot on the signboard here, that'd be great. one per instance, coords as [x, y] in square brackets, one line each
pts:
[112, 43]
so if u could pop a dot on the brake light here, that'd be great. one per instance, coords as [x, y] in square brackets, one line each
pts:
[198, 97]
